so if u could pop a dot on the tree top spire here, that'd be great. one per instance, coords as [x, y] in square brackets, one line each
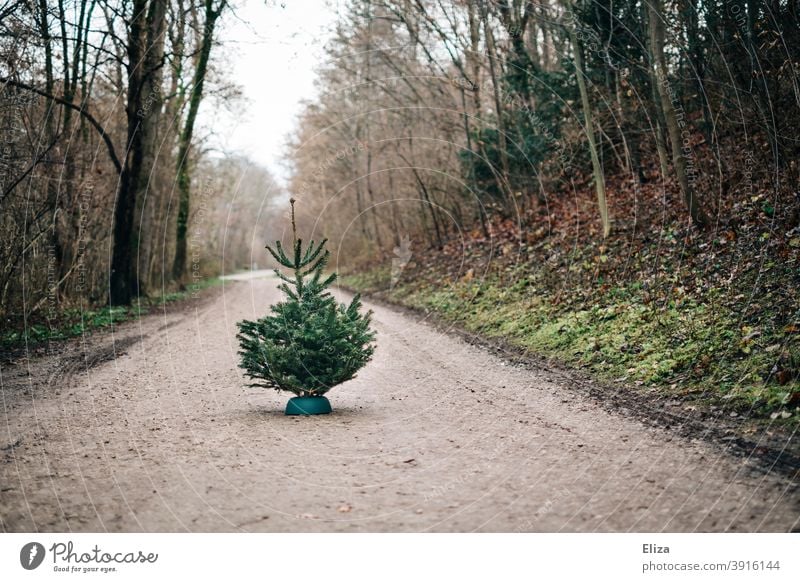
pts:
[294, 226]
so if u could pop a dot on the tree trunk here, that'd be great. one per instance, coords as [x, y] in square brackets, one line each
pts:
[368, 121]
[67, 208]
[145, 49]
[668, 98]
[185, 140]
[597, 168]
[661, 140]
[49, 133]
[44, 28]
[501, 130]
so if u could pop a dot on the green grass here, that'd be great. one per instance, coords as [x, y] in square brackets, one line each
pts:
[73, 322]
[689, 348]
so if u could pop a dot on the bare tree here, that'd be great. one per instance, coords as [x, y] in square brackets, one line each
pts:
[668, 100]
[212, 14]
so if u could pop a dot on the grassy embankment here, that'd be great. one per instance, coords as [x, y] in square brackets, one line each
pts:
[712, 321]
[74, 321]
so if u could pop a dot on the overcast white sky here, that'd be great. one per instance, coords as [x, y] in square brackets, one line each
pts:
[272, 49]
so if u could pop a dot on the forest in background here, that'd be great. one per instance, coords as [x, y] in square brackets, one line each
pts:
[612, 183]
[438, 116]
[109, 190]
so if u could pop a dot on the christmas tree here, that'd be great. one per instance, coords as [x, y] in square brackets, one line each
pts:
[309, 343]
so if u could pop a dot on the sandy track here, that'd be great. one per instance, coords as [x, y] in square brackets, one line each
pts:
[434, 435]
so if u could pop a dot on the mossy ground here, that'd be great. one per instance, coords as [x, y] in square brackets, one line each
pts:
[694, 348]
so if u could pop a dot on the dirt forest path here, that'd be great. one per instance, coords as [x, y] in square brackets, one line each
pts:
[433, 435]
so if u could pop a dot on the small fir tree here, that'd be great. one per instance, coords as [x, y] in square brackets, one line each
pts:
[309, 343]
